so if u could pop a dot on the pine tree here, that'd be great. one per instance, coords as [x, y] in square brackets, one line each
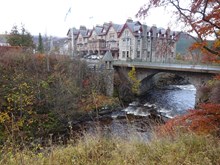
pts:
[40, 47]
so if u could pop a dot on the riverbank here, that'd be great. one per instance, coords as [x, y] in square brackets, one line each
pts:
[102, 149]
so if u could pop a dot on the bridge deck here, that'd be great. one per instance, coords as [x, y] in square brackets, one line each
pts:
[167, 66]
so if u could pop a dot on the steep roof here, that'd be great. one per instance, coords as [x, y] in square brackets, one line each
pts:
[84, 33]
[98, 29]
[117, 27]
[106, 27]
[134, 27]
[108, 56]
[75, 31]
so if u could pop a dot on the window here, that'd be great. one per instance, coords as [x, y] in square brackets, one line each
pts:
[123, 54]
[123, 42]
[126, 33]
[148, 54]
[138, 42]
[128, 41]
[127, 54]
[111, 35]
[138, 54]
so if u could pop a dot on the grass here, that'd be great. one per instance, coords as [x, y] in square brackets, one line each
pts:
[97, 149]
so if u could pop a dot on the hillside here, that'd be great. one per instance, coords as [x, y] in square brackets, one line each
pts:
[183, 44]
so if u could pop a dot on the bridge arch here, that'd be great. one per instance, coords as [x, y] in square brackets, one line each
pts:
[161, 80]
[198, 78]
[194, 78]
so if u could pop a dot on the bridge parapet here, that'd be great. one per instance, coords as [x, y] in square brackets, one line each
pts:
[170, 66]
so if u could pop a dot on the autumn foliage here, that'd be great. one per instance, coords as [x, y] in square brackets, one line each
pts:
[135, 83]
[204, 120]
[200, 18]
[40, 94]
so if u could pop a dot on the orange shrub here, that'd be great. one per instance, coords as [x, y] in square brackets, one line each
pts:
[204, 120]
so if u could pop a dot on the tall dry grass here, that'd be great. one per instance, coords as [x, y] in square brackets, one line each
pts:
[99, 149]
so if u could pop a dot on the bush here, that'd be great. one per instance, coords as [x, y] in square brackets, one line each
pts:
[40, 94]
[204, 120]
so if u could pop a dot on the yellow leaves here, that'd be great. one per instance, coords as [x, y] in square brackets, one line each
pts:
[216, 44]
[134, 81]
[4, 117]
[20, 122]
[44, 84]
[9, 99]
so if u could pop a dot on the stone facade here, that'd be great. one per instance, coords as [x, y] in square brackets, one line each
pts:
[131, 41]
[112, 39]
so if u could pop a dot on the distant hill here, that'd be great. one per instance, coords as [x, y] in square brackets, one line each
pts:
[183, 44]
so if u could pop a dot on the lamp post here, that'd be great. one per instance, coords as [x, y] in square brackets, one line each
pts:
[72, 42]
[69, 12]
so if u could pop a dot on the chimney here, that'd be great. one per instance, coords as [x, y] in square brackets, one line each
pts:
[129, 20]
[82, 27]
[154, 30]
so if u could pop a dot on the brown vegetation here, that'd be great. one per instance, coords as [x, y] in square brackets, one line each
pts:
[40, 94]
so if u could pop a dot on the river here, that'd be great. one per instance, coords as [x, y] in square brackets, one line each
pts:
[172, 101]
[136, 118]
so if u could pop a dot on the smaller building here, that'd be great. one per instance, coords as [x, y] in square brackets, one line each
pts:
[72, 44]
[3, 40]
[112, 40]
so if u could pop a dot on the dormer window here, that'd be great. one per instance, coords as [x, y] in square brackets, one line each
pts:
[138, 42]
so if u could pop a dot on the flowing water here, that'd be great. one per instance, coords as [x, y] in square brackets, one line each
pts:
[168, 102]
[173, 101]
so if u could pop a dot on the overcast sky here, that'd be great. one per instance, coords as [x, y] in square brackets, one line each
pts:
[48, 16]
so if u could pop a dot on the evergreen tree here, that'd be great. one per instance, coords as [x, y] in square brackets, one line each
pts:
[40, 47]
[20, 38]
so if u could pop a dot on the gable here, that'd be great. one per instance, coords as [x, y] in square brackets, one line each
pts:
[112, 33]
[126, 33]
[133, 27]
[94, 34]
[80, 38]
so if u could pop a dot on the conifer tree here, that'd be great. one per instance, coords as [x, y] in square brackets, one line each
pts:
[40, 47]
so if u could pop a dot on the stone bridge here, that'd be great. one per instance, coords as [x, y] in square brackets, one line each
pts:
[196, 75]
